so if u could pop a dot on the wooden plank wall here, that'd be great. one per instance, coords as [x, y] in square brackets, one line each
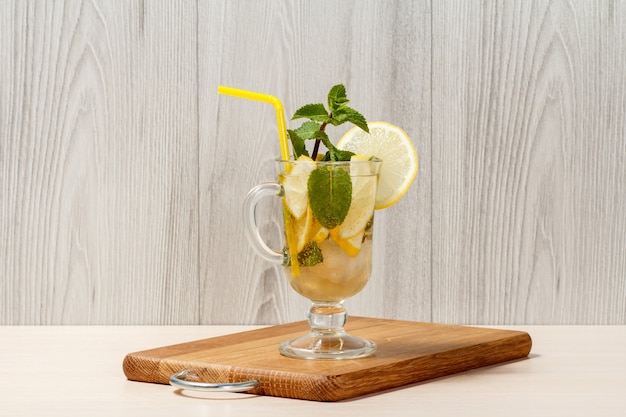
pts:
[122, 172]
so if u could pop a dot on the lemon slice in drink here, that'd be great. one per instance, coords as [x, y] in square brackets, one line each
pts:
[391, 144]
[317, 233]
[363, 199]
[351, 246]
[295, 186]
[302, 229]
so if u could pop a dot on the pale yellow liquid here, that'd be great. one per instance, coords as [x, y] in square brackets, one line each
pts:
[339, 277]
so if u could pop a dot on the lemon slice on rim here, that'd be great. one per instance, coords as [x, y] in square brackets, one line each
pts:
[394, 147]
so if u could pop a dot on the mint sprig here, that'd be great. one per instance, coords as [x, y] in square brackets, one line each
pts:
[319, 117]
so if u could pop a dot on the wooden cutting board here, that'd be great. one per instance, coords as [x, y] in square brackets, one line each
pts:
[408, 352]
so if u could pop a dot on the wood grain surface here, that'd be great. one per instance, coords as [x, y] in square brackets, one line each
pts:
[122, 173]
[529, 181]
[408, 352]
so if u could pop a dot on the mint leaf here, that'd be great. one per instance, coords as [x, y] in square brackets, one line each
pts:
[339, 155]
[310, 255]
[330, 193]
[308, 130]
[321, 135]
[333, 153]
[337, 97]
[297, 143]
[315, 112]
[348, 114]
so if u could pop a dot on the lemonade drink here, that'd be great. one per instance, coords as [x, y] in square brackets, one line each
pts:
[333, 250]
[339, 277]
[328, 204]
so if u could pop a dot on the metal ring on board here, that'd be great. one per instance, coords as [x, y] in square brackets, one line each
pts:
[178, 380]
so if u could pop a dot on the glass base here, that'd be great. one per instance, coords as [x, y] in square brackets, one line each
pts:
[327, 338]
[327, 346]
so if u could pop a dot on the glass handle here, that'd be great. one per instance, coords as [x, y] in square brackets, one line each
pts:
[250, 225]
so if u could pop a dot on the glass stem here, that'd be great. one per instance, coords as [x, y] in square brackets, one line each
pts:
[327, 317]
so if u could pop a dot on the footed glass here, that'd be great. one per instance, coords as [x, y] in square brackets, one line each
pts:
[327, 251]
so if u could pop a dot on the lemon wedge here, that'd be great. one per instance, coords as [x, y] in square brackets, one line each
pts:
[393, 146]
[351, 246]
[295, 186]
[317, 233]
[363, 199]
[302, 229]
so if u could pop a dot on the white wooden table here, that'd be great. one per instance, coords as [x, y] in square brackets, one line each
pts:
[77, 370]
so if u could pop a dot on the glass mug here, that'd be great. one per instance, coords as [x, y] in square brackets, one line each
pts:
[333, 257]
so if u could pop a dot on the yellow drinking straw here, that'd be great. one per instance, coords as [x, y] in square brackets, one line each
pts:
[284, 153]
[278, 106]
